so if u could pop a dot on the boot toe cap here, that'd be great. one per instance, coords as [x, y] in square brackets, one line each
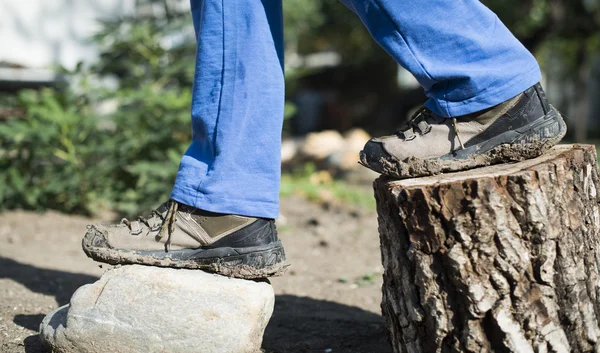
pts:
[373, 155]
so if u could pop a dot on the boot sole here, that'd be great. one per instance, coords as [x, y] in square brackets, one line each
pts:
[248, 263]
[527, 142]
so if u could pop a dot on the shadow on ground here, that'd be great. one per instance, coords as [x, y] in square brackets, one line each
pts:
[30, 322]
[301, 324]
[32, 344]
[59, 284]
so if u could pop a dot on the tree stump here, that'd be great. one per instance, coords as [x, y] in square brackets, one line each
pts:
[498, 259]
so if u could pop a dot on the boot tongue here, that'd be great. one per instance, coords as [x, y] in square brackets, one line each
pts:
[163, 208]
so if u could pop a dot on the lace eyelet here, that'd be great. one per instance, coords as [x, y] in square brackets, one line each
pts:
[423, 127]
[135, 228]
[409, 135]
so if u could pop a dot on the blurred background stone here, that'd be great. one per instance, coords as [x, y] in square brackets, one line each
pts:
[319, 145]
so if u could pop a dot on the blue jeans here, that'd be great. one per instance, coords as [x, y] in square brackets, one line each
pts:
[459, 51]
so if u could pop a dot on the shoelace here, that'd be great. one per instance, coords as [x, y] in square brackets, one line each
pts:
[419, 121]
[168, 222]
[455, 125]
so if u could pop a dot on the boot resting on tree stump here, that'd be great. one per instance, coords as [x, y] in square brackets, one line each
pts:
[498, 259]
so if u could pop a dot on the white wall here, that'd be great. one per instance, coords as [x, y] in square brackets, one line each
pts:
[43, 33]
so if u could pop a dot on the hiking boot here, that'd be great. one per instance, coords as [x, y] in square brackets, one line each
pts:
[176, 235]
[521, 128]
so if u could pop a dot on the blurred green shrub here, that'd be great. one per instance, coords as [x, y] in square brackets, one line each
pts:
[53, 158]
[320, 187]
[63, 157]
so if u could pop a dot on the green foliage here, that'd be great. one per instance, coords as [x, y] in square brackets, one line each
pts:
[301, 17]
[564, 28]
[63, 157]
[320, 187]
[53, 158]
[153, 133]
[367, 279]
[316, 25]
[157, 51]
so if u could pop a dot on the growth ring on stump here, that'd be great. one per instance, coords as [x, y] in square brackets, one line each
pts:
[498, 259]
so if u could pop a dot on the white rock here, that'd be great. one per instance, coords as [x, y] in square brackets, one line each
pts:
[319, 145]
[355, 139]
[347, 158]
[289, 149]
[149, 309]
[343, 160]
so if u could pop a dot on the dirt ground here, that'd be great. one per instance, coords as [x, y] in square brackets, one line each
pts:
[327, 302]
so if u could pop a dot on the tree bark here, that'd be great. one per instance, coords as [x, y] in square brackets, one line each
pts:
[498, 259]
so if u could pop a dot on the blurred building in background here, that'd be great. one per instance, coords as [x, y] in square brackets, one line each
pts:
[39, 34]
[39, 37]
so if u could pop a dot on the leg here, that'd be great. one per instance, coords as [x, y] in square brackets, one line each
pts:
[233, 163]
[473, 70]
[220, 218]
[459, 51]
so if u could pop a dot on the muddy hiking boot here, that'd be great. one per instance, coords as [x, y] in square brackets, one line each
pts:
[176, 235]
[520, 128]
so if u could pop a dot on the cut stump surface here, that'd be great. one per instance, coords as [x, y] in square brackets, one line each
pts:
[498, 259]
